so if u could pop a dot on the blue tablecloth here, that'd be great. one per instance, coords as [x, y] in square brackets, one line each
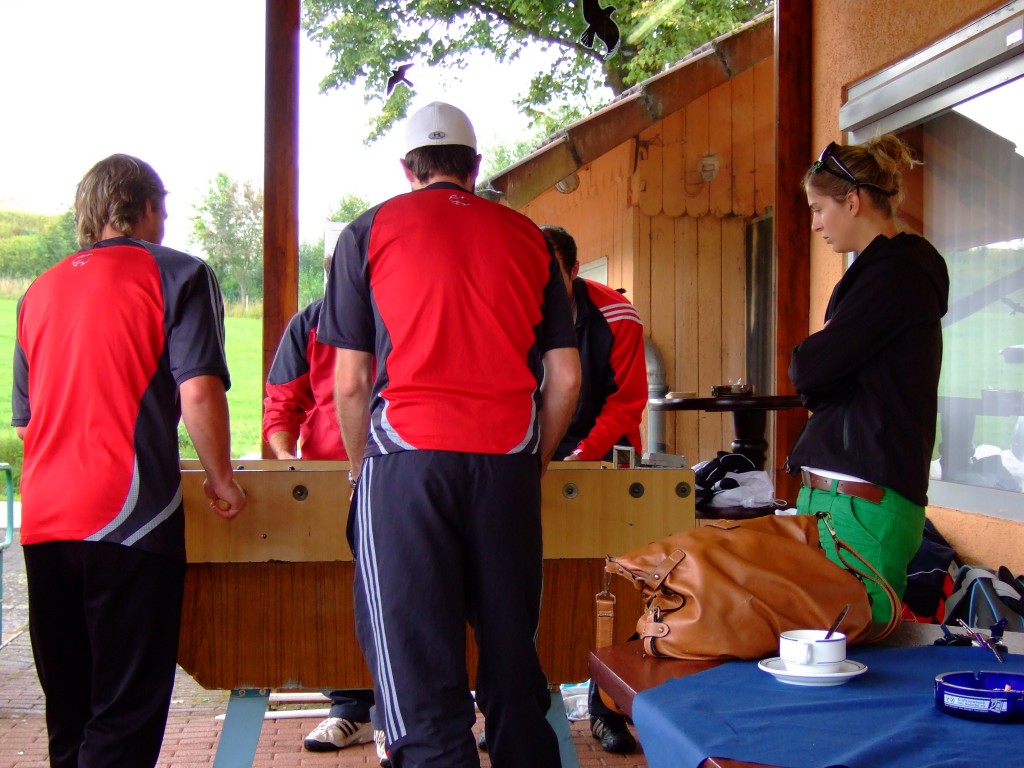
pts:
[886, 717]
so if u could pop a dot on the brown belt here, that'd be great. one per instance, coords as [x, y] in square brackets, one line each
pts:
[866, 491]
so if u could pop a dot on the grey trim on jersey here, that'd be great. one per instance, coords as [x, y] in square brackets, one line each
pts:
[165, 513]
[126, 509]
[532, 434]
[384, 435]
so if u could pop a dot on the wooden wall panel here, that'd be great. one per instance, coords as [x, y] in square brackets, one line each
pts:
[642, 259]
[673, 158]
[734, 300]
[626, 237]
[662, 325]
[743, 141]
[764, 134]
[677, 243]
[725, 123]
[709, 338]
[627, 247]
[649, 171]
[697, 191]
[686, 339]
[594, 213]
[720, 121]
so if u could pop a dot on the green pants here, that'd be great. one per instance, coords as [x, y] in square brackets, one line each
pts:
[887, 535]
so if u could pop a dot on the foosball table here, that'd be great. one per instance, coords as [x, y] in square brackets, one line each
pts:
[269, 597]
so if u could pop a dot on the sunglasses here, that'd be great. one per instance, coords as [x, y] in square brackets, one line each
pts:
[844, 173]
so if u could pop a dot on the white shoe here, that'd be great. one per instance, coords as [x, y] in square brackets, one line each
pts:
[337, 733]
[379, 739]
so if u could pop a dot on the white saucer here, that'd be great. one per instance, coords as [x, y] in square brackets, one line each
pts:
[847, 671]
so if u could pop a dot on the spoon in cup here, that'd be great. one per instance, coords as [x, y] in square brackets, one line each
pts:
[838, 621]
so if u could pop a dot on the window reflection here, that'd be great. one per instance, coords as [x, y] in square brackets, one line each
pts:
[969, 202]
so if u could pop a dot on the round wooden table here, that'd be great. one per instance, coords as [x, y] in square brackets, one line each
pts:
[749, 417]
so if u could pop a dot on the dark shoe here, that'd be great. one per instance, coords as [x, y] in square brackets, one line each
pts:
[481, 741]
[613, 734]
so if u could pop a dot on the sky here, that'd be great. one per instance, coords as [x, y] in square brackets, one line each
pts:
[180, 85]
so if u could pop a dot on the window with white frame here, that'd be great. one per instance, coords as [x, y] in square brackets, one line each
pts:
[960, 105]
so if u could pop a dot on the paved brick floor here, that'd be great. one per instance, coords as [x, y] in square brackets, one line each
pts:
[192, 727]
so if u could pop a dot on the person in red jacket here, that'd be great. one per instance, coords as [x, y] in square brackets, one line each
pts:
[298, 411]
[611, 343]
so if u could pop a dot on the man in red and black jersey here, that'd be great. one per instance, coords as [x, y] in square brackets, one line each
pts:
[115, 344]
[463, 308]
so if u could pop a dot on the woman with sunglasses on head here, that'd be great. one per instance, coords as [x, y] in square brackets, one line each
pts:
[870, 375]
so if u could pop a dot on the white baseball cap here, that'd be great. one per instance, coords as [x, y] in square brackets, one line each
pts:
[439, 124]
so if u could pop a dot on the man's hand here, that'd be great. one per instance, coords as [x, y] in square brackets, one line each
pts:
[226, 499]
[204, 409]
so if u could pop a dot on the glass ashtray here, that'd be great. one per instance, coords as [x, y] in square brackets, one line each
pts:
[996, 697]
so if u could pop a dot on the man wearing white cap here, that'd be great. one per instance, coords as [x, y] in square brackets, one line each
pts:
[463, 307]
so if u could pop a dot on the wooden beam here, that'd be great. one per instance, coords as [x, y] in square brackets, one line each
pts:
[792, 225]
[280, 174]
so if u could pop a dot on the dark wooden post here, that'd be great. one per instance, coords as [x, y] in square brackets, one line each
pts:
[280, 174]
[792, 240]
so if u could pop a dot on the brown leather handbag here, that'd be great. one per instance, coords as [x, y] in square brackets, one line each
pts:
[728, 589]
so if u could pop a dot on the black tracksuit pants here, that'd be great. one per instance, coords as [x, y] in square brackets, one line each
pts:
[104, 620]
[442, 538]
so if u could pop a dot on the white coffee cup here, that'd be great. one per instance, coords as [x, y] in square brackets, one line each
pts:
[807, 650]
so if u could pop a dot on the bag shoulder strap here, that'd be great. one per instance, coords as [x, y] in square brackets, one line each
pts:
[870, 573]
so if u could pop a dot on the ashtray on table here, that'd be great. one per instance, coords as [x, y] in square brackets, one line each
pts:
[727, 390]
[996, 697]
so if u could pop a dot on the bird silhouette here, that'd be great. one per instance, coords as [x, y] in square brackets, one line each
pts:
[600, 24]
[398, 76]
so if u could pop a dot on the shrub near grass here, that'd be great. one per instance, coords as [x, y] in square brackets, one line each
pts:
[10, 446]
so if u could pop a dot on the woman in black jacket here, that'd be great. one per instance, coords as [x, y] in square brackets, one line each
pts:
[870, 375]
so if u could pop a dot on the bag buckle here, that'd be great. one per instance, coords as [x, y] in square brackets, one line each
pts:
[826, 518]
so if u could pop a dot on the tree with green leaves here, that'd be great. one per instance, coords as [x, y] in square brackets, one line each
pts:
[369, 40]
[32, 243]
[349, 208]
[228, 226]
[61, 235]
[311, 255]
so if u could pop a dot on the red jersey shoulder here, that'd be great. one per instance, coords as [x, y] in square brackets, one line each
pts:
[613, 305]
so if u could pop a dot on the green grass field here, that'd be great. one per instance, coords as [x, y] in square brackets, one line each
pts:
[245, 398]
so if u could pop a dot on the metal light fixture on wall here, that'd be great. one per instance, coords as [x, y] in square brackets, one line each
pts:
[569, 184]
[708, 167]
